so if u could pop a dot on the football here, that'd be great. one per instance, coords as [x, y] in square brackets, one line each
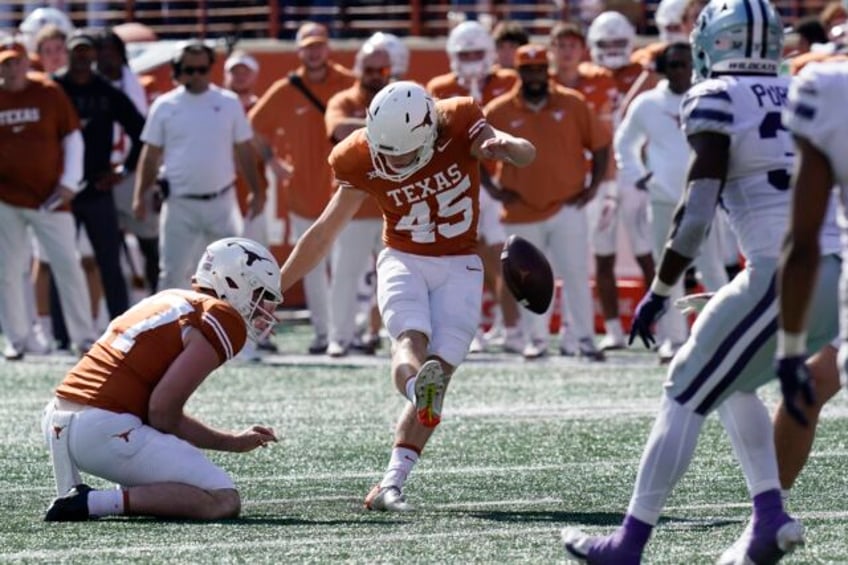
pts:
[527, 274]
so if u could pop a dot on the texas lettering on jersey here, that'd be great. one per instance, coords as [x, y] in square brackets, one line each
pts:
[435, 211]
[20, 116]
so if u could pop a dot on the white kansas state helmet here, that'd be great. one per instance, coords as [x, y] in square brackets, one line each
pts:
[737, 37]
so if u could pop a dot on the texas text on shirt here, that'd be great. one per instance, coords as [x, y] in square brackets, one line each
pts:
[446, 188]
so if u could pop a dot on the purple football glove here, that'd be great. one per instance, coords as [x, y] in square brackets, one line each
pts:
[794, 379]
[649, 310]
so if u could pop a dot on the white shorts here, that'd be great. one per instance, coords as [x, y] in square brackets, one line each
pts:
[121, 449]
[490, 229]
[632, 212]
[440, 297]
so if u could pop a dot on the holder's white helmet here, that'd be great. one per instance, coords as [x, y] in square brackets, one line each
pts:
[244, 274]
[670, 13]
[401, 119]
[397, 49]
[471, 36]
[38, 19]
[610, 39]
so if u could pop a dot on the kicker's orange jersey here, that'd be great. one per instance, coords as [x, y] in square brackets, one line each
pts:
[435, 211]
[33, 123]
[499, 82]
[350, 103]
[123, 367]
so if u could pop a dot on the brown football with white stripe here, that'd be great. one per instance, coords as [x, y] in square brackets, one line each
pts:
[527, 274]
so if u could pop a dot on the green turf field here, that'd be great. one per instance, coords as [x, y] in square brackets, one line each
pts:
[524, 449]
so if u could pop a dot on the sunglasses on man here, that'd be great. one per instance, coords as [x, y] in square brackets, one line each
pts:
[194, 70]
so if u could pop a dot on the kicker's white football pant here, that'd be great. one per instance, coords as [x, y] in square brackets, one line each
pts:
[56, 232]
[440, 297]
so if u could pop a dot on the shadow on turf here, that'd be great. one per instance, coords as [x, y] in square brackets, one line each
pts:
[259, 521]
[591, 518]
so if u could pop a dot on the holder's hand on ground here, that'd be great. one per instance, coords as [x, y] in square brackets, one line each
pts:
[650, 309]
[795, 379]
[256, 436]
[693, 303]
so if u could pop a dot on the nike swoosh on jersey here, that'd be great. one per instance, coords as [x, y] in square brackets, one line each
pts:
[443, 146]
[516, 123]
[300, 110]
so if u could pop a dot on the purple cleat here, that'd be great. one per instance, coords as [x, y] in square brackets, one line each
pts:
[599, 550]
[773, 539]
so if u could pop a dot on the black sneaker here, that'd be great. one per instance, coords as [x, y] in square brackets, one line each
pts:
[267, 346]
[72, 507]
[318, 345]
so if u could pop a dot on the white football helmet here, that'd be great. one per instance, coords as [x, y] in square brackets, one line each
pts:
[38, 19]
[471, 36]
[610, 39]
[670, 13]
[397, 49]
[244, 274]
[401, 119]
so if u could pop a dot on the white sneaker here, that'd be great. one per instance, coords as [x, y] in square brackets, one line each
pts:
[666, 351]
[386, 499]
[496, 336]
[535, 349]
[611, 343]
[430, 384]
[478, 344]
[513, 340]
[37, 342]
[11, 352]
[337, 349]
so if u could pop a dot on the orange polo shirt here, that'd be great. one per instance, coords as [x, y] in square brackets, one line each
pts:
[562, 129]
[295, 129]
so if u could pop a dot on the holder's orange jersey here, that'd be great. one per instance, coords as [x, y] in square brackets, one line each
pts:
[123, 367]
[435, 211]
[350, 103]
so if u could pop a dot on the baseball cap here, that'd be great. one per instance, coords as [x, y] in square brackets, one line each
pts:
[10, 49]
[81, 38]
[531, 54]
[241, 58]
[311, 33]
